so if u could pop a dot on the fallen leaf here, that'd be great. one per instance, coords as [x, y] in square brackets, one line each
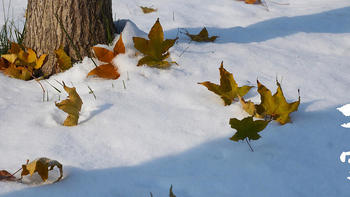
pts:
[203, 36]
[171, 194]
[247, 128]
[18, 72]
[63, 60]
[272, 106]
[147, 10]
[107, 71]
[105, 55]
[155, 49]
[252, 1]
[6, 176]
[3, 64]
[228, 89]
[42, 166]
[72, 106]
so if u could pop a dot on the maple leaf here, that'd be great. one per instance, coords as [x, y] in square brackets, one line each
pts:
[202, 36]
[228, 89]
[273, 106]
[147, 10]
[6, 176]
[105, 55]
[106, 71]
[247, 128]
[63, 60]
[42, 166]
[155, 49]
[72, 106]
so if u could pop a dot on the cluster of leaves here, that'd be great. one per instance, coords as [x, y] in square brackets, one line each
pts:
[41, 165]
[21, 63]
[202, 36]
[155, 49]
[272, 107]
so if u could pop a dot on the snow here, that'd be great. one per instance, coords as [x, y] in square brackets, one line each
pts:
[164, 128]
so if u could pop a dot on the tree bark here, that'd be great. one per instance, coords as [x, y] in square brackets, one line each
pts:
[76, 25]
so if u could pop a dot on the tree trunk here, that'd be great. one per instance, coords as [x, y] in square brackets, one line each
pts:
[76, 25]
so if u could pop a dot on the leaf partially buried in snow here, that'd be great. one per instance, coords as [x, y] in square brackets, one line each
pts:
[105, 55]
[106, 71]
[228, 89]
[202, 36]
[42, 166]
[252, 1]
[247, 128]
[63, 60]
[6, 176]
[272, 106]
[155, 49]
[147, 10]
[72, 106]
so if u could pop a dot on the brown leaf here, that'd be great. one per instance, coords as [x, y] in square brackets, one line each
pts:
[147, 10]
[105, 55]
[202, 36]
[3, 64]
[106, 71]
[6, 176]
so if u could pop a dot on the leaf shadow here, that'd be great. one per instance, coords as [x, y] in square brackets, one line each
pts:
[335, 21]
[97, 111]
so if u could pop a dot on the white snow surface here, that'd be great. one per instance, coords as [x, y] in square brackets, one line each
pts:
[166, 129]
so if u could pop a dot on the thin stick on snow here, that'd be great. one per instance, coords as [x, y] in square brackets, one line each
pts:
[246, 139]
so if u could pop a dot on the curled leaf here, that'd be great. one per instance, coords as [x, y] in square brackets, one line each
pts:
[105, 55]
[247, 128]
[106, 71]
[155, 49]
[202, 36]
[228, 89]
[72, 106]
[63, 60]
[42, 166]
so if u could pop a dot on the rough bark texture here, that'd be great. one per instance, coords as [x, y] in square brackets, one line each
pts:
[87, 23]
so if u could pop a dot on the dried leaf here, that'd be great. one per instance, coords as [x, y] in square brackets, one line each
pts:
[18, 72]
[147, 10]
[106, 71]
[10, 57]
[63, 60]
[228, 89]
[3, 64]
[272, 106]
[105, 55]
[6, 176]
[42, 166]
[247, 128]
[203, 36]
[155, 49]
[72, 106]
[171, 194]
[252, 1]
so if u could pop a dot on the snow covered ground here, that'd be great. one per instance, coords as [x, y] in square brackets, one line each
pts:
[166, 129]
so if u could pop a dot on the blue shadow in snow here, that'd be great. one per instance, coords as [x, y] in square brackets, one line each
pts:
[334, 21]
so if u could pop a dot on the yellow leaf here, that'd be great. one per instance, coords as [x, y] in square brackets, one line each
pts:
[72, 106]
[10, 57]
[42, 166]
[40, 61]
[63, 60]
[155, 49]
[228, 89]
[147, 10]
[31, 56]
[106, 71]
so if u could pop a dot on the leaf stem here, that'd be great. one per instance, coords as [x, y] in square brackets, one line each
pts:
[246, 139]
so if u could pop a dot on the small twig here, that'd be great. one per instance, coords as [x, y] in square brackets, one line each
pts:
[173, 16]
[47, 96]
[62, 84]
[127, 76]
[16, 172]
[54, 87]
[279, 3]
[263, 2]
[185, 48]
[124, 85]
[92, 92]
[42, 87]
[246, 139]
